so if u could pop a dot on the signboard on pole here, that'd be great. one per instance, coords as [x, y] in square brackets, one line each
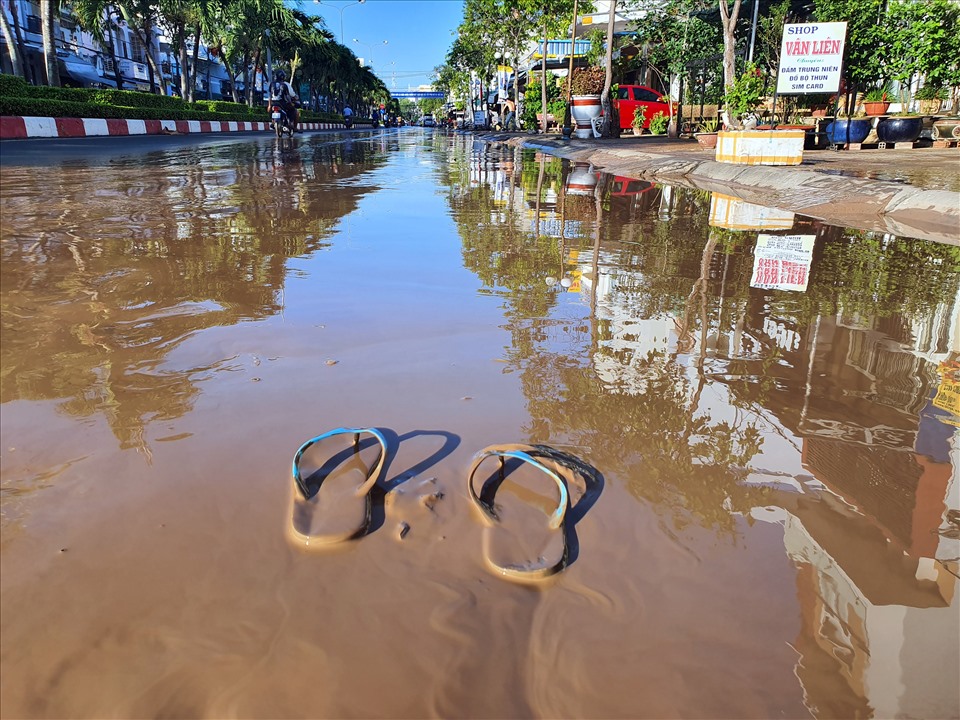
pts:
[782, 262]
[811, 58]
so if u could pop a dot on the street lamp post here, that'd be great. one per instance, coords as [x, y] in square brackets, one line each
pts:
[370, 47]
[341, 9]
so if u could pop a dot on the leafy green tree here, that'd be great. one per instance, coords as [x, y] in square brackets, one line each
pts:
[866, 37]
[923, 40]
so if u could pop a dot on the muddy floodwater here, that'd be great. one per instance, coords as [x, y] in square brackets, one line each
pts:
[756, 414]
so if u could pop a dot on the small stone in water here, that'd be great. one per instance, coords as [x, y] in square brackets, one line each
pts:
[332, 362]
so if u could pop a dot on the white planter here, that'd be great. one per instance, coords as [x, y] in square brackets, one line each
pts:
[584, 108]
[760, 147]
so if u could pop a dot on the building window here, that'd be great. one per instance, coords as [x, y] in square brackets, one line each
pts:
[33, 24]
[137, 53]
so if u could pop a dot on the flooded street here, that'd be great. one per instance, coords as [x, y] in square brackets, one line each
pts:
[766, 520]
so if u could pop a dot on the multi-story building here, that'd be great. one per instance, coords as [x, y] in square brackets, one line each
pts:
[86, 61]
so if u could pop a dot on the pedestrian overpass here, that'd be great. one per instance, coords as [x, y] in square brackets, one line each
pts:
[418, 94]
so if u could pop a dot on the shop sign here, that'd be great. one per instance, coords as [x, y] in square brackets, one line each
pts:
[811, 58]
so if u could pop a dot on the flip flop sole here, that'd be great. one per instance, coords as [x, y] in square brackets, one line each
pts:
[530, 531]
[336, 506]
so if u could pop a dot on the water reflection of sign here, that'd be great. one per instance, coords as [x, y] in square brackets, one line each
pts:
[948, 393]
[553, 228]
[735, 214]
[783, 336]
[810, 58]
[782, 262]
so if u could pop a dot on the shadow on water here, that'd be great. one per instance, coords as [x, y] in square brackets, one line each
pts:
[379, 493]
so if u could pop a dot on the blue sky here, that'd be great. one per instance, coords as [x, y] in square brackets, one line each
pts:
[418, 34]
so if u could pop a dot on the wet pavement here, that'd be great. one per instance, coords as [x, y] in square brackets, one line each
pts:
[755, 413]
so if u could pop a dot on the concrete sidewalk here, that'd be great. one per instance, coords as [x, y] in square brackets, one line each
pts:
[914, 193]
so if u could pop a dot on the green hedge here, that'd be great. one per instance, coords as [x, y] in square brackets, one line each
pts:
[11, 85]
[39, 107]
[222, 106]
[132, 98]
[18, 97]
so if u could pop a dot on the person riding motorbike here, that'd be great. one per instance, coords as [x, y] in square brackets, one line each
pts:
[283, 94]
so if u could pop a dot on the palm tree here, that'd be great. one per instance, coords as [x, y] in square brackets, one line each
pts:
[49, 10]
[13, 47]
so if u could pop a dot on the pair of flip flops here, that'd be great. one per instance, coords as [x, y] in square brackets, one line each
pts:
[522, 528]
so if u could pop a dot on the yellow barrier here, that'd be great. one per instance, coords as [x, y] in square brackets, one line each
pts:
[760, 147]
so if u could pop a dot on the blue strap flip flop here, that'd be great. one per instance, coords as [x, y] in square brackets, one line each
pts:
[546, 551]
[342, 510]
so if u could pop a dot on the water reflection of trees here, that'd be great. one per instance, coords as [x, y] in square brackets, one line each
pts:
[121, 264]
[636, 406]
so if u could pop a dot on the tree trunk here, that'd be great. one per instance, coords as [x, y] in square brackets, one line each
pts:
[13, 49]
[543, 79]
[48, 20]
[728, 18]
[209, 66]
[180, 40]
[607, 129]
[232, 73]
[246, 74]
[251, 87]
[153, 67]
[113, 50]
[193, 68]
[29, 74]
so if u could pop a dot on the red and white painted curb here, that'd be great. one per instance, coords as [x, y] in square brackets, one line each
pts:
[16, 127]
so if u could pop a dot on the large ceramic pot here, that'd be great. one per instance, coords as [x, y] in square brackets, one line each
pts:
[946, 128]
[837, 131]
[899, 129]
[584, 108]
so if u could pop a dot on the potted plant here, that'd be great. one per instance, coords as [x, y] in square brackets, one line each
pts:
[658, 123]
[743, 98]
[707, 137]
[929, 98]
[876, 101]
[742, 143]
[819, 104]
[639, 119]
[586, 86]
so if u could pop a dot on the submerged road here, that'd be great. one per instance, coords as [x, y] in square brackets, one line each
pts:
[753, 413]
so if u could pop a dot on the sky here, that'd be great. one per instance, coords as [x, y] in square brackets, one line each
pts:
[418, 34]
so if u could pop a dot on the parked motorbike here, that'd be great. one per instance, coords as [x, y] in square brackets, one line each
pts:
[282, 122]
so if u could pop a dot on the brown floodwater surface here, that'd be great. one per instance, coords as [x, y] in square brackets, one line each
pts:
[764, 521]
